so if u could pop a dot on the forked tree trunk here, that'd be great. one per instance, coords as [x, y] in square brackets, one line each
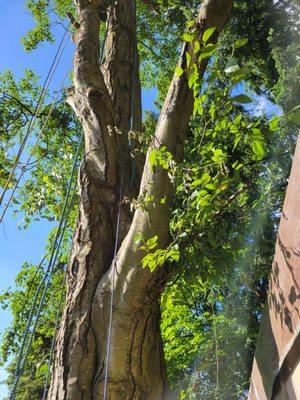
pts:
[101, 98]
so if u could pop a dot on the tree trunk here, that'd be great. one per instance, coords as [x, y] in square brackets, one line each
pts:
[102, 100]
[277, 352]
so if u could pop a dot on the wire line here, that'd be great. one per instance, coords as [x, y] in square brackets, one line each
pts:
[26, 343]
[24, 167]
[61, 297]
[45, 87]
[113, 281]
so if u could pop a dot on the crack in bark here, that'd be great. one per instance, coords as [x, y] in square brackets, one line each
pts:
[101, 100]
[130, 358]
[142, 342]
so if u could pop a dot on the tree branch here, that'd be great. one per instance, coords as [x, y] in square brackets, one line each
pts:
[121, 68]
[90, 98]
[152, 4]
[170, 132]
[22, 105]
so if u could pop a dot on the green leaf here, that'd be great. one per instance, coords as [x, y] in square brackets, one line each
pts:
[236, 141]
[236, 165]
[173, 254]
[232, 69]
[205, 178]
[242, 98]
[179, 71]
[237, 75]
[258, 149]
[138, 238]
[191, 23]
[213, 76]
[153, 157]
[192, 79]
[188, 58]
[149, 262]
[187, 37]
[208, 51]
[152, 241]
[208, 33]
[196, 183]
[212, 111]
[274, 124]
[240, 43]
[163, 200]
[196, 47]
[231, 66]
[210, 186]
[218, 156]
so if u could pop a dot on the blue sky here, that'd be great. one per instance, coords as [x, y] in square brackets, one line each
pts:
[18, 246]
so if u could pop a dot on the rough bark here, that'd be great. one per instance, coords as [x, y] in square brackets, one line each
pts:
[101, 98]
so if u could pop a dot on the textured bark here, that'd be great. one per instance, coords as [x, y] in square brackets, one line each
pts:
[279, 336]
[101, 98]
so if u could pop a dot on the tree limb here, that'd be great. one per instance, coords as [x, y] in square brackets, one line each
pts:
[170, 132]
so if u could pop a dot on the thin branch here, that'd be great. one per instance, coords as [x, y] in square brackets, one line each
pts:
[232, 198]
[8, 95]
[152, 5]
[148, 47]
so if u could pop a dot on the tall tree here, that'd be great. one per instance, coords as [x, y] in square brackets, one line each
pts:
[232, 173]
[101, 98]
